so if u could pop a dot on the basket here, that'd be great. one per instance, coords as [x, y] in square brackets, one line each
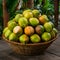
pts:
[29, 49]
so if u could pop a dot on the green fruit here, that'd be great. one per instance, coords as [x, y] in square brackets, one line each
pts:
[34, 21]
[55, 30]
[12, 25]
[28, 15]
[51, 24]
[18, 30]
[24, 38]
[7, 33]
[13, 37]
[46, 36]
[18, 16]
[35, 38]
[23, 22]
[29, 30]
[48, 27]
[39, 29]
[35, 13]
[52, 34]
[5, 29]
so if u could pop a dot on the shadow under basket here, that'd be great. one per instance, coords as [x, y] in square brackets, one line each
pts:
[29, 49]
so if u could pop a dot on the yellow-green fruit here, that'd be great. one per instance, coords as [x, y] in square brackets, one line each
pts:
[5, 29]
[18, 30]
[13, 37]
[46, 36]
[24, 38]
[39, 29]
[35, 38]
[29, 30]
[28, 10]
[43, 19]
[7, 33]
[51, 24]
[48, 26]
[34, 21]
[23, 22]
[12, 25]
[55, 30]
[18, 16]
[52, 34]
[28, 15]
[35, 13]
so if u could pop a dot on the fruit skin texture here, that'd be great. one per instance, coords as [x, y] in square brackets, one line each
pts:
[18, 16]
[29, 30]
[24, 39]
[55, 30]
[52, 34]
[46, 36]
[35, 38]
[18, 30]
[13, 37]
[34, 21]
[28, 15]
[5, 29]
[12, 25]
[39, 29]
[23, 22]
[48, 27]
[28, 10]
[7, 33]
[43, 19]
[36, 13]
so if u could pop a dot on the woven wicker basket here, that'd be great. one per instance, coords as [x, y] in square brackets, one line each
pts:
[29, 49]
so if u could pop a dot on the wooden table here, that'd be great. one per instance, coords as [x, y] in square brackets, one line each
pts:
[52, 53]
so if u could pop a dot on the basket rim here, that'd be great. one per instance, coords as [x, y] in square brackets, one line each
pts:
[17, 43]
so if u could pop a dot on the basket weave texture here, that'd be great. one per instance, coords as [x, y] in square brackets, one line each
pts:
[29, 49]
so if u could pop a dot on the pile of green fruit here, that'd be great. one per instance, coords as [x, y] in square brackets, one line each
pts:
[30, 27]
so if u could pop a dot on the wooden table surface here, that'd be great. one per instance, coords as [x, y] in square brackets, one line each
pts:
[52, 53]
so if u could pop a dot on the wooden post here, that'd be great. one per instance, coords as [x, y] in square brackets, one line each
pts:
[56, 8]
[30, 3]
[5, 14]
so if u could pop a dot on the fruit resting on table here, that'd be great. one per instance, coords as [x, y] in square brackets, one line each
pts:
[30, 27]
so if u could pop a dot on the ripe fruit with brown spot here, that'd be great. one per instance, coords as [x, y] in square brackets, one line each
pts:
[29, 30]
[39, 29]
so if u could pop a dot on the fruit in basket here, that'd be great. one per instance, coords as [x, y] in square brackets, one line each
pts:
[18, 16]
[51, 24]
[35, 13]
[29, 30]
[5, 29]
[43, 19]
[39, 29]
[7, 34]
[24, 38]
[13, 37]
[18, 30]
[35, 38]
[48, 26]
[46, 36]
[55, 30]
[11, 25]
[52, 34]
[23, 22]
[28, 15]
[33, 21]
[28, 10]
